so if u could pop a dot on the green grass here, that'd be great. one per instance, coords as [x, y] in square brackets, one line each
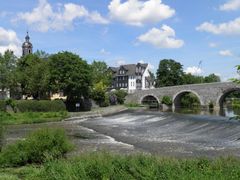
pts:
[109, 166]
[31, 117]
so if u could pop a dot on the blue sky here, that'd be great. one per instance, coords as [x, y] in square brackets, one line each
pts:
[129, 31]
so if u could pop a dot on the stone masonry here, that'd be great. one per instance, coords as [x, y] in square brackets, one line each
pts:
[207, 93]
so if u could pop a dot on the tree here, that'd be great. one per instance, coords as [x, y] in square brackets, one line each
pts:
[212, 78]
[169, 73]
[70, 74]
[7, 70]
[191, 79]
[99, 94]
[33, 75]
[101, 73]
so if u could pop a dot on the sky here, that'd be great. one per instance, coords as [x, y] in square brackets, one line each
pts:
[204, 36]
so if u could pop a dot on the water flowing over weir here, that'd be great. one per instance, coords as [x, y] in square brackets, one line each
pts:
[171, 134]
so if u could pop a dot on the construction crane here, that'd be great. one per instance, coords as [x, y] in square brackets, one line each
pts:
[200, 64]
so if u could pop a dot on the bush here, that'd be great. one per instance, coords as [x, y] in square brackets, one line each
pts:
[38, 147]
[2, 105]
[106, 101]
[40, 106]
[11, 103]
[190, 100]
[120, 94]
[167, 100]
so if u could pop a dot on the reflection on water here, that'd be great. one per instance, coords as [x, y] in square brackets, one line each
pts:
[227, 111]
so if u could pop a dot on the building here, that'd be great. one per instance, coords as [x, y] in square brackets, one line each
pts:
[132, 77]
[27, 47]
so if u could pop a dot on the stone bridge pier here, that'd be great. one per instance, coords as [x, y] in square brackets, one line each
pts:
[209, 93]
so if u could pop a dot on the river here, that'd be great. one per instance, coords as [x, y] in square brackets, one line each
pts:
[155, 132]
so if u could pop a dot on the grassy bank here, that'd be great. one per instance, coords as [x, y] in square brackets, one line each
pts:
[108, 166]
[31, 117]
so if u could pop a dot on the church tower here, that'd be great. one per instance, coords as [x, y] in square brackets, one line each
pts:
[27, 46]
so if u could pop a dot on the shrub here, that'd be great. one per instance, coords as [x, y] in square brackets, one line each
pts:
[40, 106]
[38, 147]
[2, 105]
[11, 103]
[167, 100]
[106, 101]
[189, 100]
[120, 94]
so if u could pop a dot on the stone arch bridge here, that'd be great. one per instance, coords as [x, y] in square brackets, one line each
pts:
[207, 93]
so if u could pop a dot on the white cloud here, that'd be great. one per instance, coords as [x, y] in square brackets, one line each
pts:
[213, 45]
[138, 12]
[161, 38]
[9, 41]
[121, 62]
[225, 53]
[227, 28]
[44, 18]
[231, 5]
[104, 52]
[194, 70]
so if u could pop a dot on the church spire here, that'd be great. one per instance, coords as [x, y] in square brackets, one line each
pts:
[27, 46]
[27, 38]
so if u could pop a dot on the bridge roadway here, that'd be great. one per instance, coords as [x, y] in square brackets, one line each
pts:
[207, 93]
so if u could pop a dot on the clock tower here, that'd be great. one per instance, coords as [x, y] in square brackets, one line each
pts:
[27, 46]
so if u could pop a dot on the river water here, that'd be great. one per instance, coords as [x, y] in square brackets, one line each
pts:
[171, 134]
[155, 132]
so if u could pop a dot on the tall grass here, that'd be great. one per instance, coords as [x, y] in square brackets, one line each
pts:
[31, 117]
[107, 166]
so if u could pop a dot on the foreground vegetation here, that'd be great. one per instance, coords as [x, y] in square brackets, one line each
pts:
[109, 166]
[31, 117]
[42, 155]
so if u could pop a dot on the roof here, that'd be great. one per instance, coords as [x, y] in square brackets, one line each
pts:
[130, 68]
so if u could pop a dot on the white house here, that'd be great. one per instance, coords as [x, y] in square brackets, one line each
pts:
[132, 77]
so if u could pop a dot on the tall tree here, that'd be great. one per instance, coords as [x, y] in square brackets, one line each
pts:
[169, 73]
[212, 78]
[33, 75]
[101, 73]
[7, 70]
[191, 79]
[70, 74]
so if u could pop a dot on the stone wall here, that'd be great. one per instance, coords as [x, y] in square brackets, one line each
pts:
[210, 92]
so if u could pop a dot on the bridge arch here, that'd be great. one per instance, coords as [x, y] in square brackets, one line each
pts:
[149, 98]
[177, 97]
[221, 98]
